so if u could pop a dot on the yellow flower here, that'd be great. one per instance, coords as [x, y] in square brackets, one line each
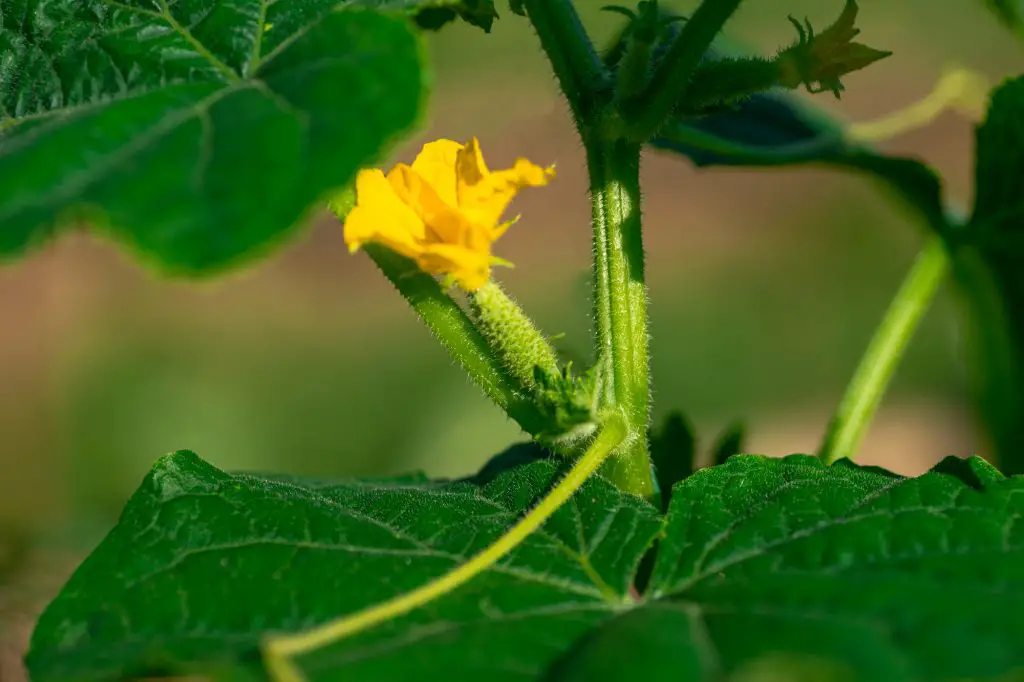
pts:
[443, 211]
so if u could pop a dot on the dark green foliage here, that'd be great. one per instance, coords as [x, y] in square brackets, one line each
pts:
[990, 270]
[198, 133]
[673, 453]
[730, 442]
[762, 563]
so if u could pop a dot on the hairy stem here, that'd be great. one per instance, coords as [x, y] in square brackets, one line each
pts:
[620, 302]
[576, 64]
[459, 336]
[620, 294]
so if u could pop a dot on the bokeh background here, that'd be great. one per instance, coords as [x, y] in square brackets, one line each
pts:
[765, 288]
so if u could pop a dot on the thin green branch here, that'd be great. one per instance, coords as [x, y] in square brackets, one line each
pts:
[279, 651]
[812, 150]
[865, 391]
[576, 64]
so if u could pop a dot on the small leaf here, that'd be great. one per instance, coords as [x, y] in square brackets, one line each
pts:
[730, 442]
[973, 471]
[673, 452]
[515, 456]
[198, 132]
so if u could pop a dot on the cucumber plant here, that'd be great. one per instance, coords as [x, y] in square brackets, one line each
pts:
[200, 134]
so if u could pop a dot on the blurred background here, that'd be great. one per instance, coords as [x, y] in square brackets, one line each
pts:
[765, 288]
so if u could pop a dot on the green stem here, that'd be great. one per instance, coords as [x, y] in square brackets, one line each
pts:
[279, 651]
[620, 303]
[645, 113]
[878, 365]
[620, 295]
[726, 81]
[813, 150]
[576, 64]
[459, 336]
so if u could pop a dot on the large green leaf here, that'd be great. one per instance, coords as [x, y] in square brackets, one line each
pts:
[897, 579]
[761, 564]
[199, 131]
[202, 564]
[990, 269]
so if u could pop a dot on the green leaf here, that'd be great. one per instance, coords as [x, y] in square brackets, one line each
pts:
[990, 268]
[673, 453]
[891, 578]
[999, 164]
[203, 563]
[730, 442]
[198, 132]
[764, 567]
[771, 130]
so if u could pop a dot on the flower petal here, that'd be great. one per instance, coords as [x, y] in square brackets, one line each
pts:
[470, 168]
[380, 216]
[436, 163]
[484, 195]
[468, 267]
[443, 223]
[442, 211]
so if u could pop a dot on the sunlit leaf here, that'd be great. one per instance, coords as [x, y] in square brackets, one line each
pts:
[199, 132]
[762, 564]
